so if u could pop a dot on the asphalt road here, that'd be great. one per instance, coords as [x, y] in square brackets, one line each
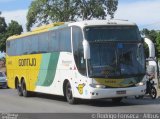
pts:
[10, 102]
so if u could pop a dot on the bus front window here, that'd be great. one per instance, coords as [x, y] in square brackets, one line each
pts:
[115, 52]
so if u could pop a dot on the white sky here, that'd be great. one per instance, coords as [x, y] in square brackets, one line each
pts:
[146, 13]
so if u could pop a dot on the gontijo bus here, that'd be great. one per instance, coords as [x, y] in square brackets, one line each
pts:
[88, 60]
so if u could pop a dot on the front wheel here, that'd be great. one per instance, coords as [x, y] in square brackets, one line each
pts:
[69, 95]
[153, 93]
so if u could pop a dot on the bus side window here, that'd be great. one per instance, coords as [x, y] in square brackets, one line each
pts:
[8, 45]
[19, 47]
[34, 44]
[53, 41]
[65, 39]
[13, 48]
[43, 43]
[25, 45]
[78, 50]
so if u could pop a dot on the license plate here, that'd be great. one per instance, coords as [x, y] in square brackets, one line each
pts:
[121, 92]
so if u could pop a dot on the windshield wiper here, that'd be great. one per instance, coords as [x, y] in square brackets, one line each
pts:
[113, 76]
[96, 76]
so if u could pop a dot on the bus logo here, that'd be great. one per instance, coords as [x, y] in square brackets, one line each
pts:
[27, 62]
[80, 88]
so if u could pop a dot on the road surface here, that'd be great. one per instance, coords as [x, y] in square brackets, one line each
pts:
[10, 102]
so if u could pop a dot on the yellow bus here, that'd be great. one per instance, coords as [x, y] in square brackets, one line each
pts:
[88, 60]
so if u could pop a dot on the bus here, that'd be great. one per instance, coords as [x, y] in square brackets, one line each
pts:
[91, 59]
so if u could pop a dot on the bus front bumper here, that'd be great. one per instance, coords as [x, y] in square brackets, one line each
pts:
[98, 93]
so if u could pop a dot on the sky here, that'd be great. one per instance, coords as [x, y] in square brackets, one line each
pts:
[145, 13]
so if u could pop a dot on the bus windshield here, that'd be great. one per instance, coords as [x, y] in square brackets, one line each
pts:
[123, 58]
[112, 33]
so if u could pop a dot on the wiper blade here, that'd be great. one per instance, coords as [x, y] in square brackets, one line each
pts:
[96, 76]
[116, 76]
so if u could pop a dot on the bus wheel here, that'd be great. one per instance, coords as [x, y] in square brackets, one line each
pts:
[24, 90]
[19, 88]
[69, 95]
[116, 100]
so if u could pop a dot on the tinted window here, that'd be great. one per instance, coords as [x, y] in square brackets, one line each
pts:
[19, 47]
[53, 41]
[13, 47]
[78, 50]
[34, 44]
[65, 39]
[43, 43]
[112, 33]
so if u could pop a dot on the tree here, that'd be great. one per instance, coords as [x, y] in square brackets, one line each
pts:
[14, 28]
[3, 24]
[3, 38]
[3, 27]
[45, 11]
[158, 45]
[151, 34]
[111, 7]
[90, 9]
[5, 31]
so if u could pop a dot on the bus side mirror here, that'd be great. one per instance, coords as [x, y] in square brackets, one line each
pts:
[86, 49]
[151, 47]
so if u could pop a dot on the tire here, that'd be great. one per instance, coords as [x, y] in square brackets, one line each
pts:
[24, 90]
[116, 100]
[19, 89]
[69, 95]
[153, 93]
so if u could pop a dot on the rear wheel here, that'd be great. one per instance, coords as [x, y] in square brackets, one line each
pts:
[19, 88]
[68, 94]
[116, 100]
[24, 90]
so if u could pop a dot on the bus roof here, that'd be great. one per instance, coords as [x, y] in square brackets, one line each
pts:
[81, 24]
[102, 22]
[38, 30]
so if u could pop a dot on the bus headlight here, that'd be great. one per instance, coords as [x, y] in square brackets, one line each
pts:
[97, 86]
[141, 83]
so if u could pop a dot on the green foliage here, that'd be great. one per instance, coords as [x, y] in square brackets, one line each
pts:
[150, 34]
[111, 7]
[6, 31]
[14, 28]
[87, 10]
[3, 25]
[45, 11]
[158, 45]
[3, 38]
